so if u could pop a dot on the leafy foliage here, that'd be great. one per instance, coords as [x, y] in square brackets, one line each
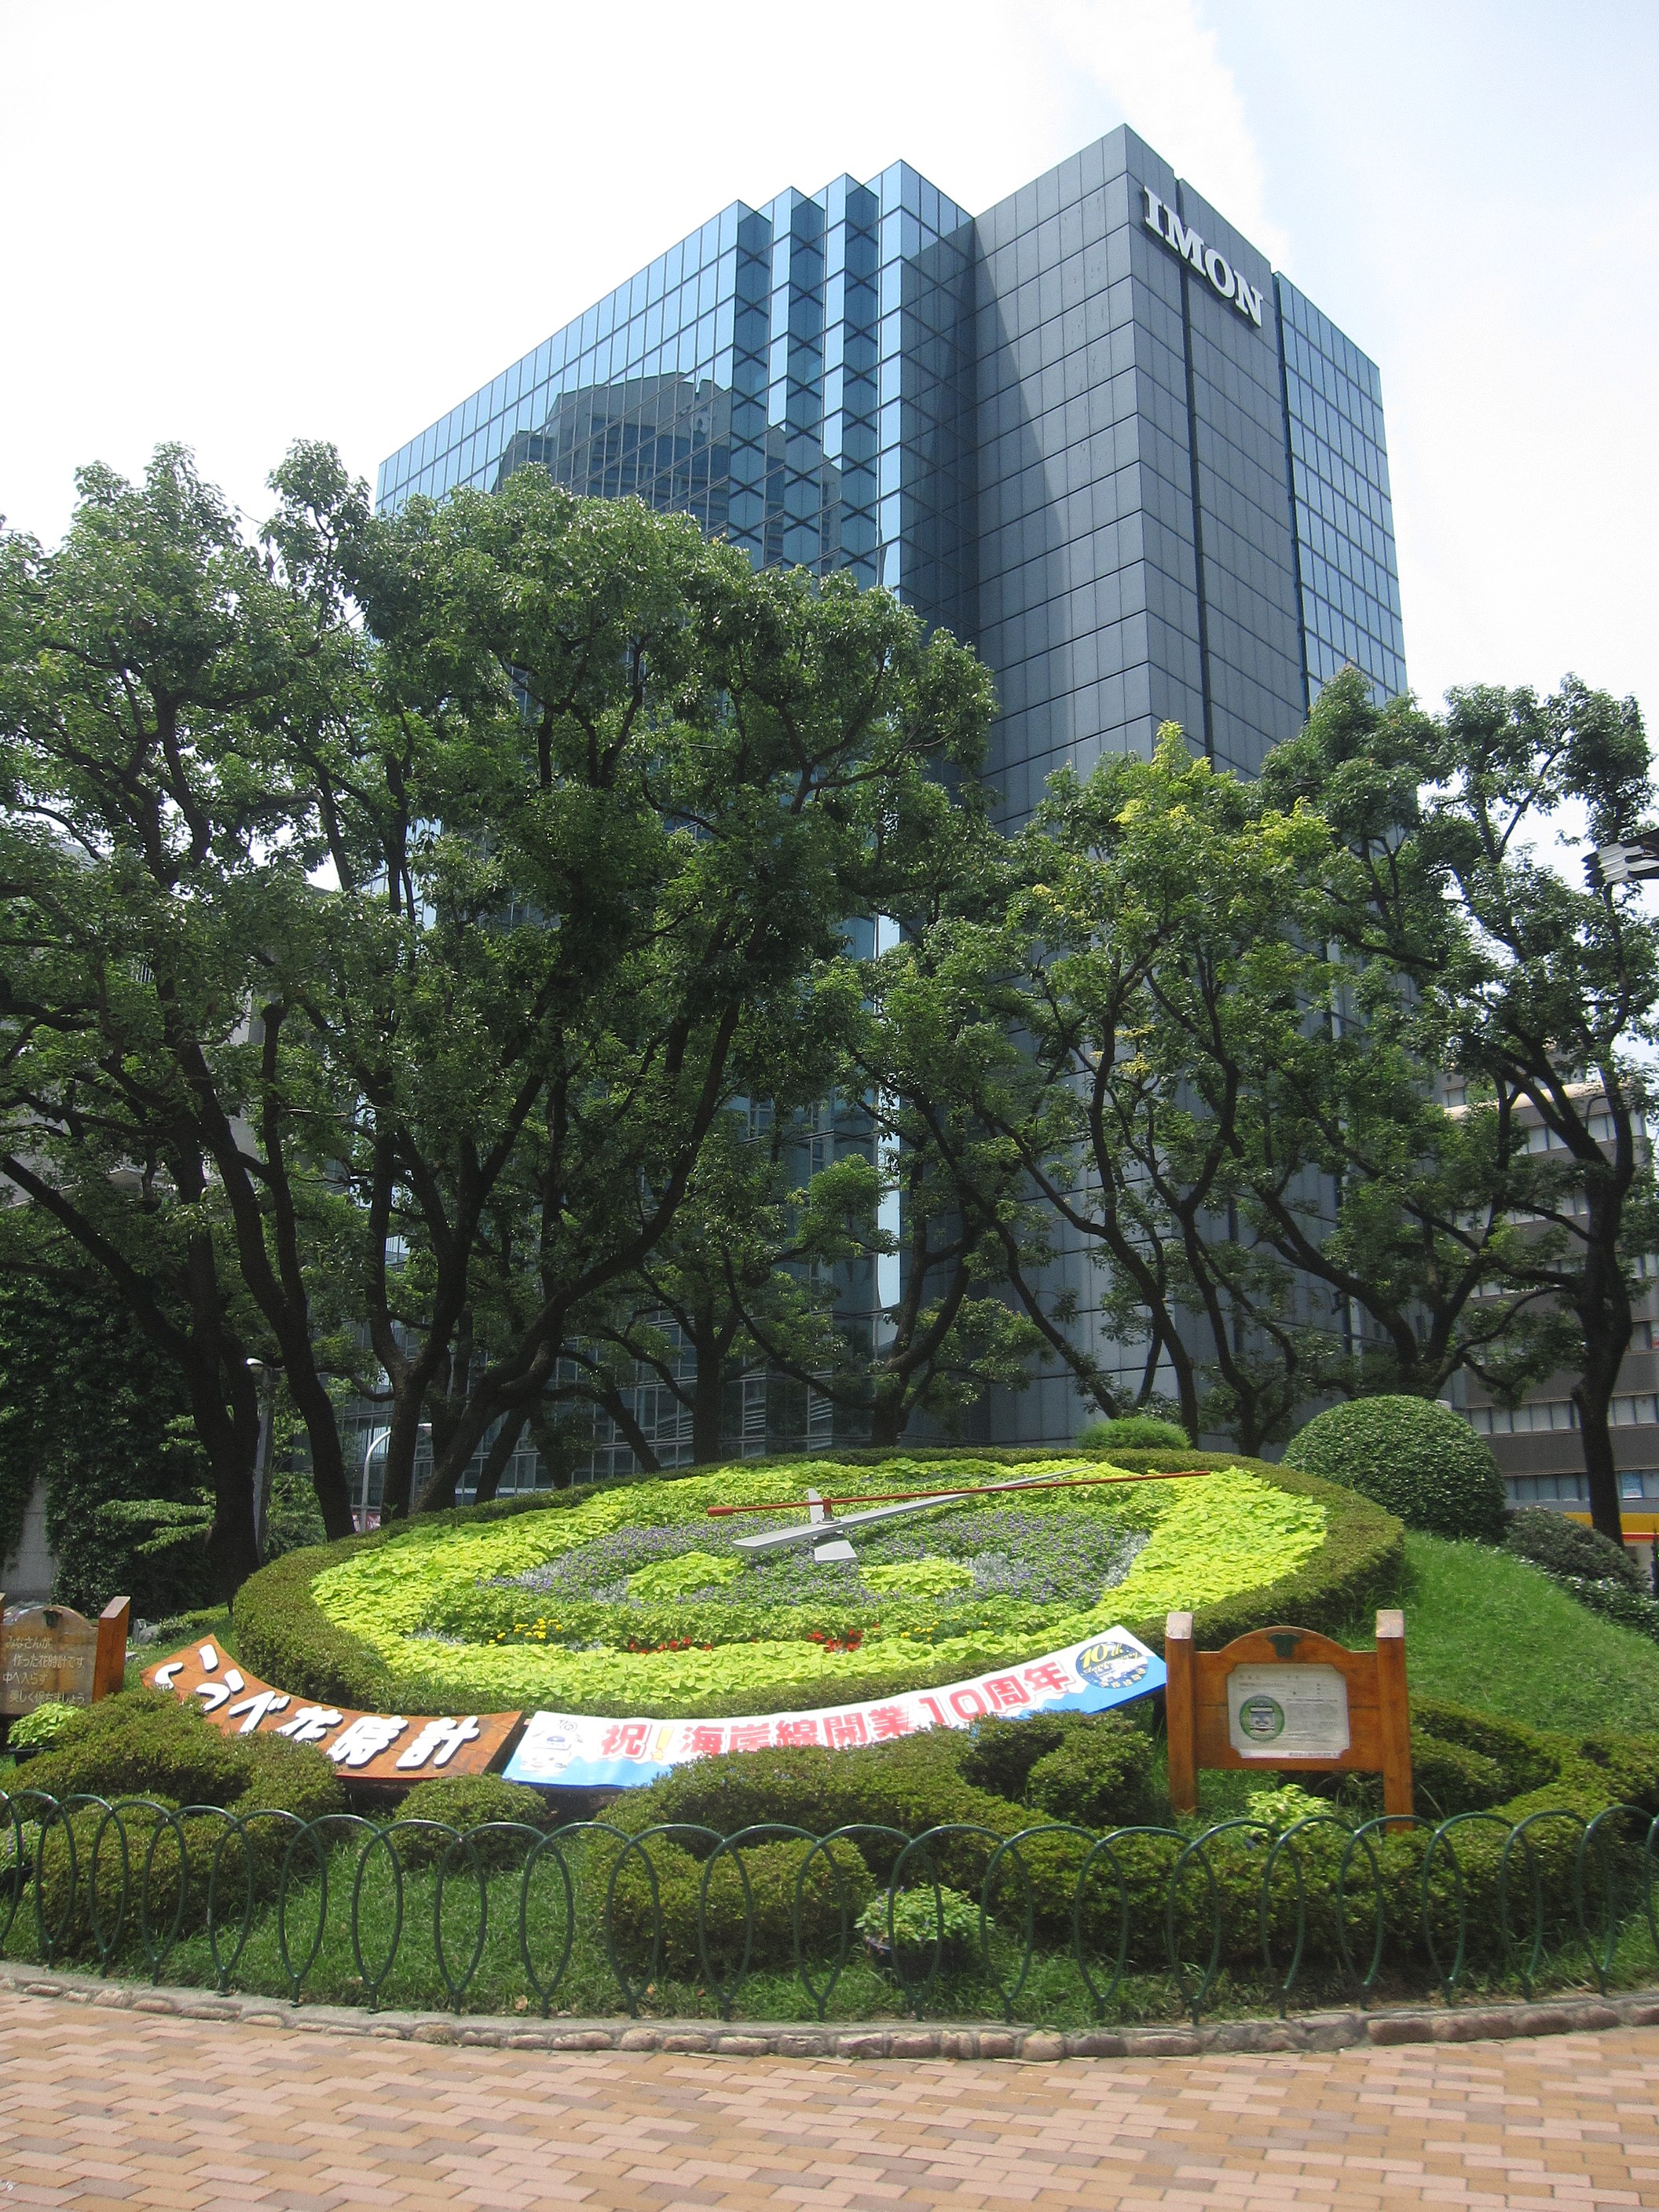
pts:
[548, 1607]
[85, 1406]
[1562, 1545]
[1419, 1461]
[1142, 1431]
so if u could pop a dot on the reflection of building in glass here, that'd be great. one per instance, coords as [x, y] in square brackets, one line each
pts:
[798, 377]
[661, 439]
[1089, 431]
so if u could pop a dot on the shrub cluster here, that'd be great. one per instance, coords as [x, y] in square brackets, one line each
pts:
[1563, 1547]
[144, 1753]
[1417, 1460]
[1135, 1432]
[1590, 1567]
[982, 1789]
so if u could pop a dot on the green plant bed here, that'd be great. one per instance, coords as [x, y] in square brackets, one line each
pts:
[1486, 1628]
[652, 1911]
[629, 1599]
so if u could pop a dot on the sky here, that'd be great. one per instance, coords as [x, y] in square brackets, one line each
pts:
[233, 225]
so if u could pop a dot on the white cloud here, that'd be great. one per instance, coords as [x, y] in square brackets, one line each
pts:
[1163, 68]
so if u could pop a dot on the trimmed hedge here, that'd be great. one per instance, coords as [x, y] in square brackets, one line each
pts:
[1418, 1460]
[1473, 1761]
[284, 1636]
[1567, 1547]
[144, 1745]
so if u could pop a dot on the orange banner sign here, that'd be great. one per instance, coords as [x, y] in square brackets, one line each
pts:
[366, 1746]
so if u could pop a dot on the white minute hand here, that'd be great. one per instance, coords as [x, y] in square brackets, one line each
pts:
[812, 1532]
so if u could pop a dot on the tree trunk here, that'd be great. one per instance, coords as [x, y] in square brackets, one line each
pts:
[890, 1414]
[1603, 1313]
[495, 1458]
[707, 1395]
[229, 1435]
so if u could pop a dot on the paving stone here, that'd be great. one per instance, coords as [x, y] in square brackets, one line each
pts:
[101, 2108]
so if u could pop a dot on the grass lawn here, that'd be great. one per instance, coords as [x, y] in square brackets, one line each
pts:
[1484, 1629]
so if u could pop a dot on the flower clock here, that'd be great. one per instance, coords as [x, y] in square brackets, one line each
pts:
[637, 1599]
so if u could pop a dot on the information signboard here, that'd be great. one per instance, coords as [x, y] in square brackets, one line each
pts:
[51, 1655]
[48, 1655]
[1287, 1712]
[1291, 1698]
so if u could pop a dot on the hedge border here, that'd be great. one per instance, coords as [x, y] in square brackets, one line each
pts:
[283, 1634]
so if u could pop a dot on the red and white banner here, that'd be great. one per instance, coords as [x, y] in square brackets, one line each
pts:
[576, 1751]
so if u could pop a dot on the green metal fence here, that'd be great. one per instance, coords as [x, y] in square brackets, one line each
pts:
[590, 1909]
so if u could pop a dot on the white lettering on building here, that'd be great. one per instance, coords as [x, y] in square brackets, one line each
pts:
[1226, 280]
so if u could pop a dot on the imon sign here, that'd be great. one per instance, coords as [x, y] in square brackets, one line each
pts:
[1229, 283]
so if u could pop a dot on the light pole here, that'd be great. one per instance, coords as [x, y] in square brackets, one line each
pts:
[377, 1438]
[265, 1377]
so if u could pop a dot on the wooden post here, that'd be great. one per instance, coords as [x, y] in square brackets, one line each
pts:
[109, 1666]
[1180, 1712]
[1394, 1712]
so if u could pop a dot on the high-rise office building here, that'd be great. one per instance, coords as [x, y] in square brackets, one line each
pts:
[1090, 432]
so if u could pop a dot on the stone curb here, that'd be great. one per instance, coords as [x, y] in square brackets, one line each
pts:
[1327, 2031]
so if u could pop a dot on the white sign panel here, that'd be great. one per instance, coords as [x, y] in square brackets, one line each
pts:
[576, 1751]
[1287, 1712]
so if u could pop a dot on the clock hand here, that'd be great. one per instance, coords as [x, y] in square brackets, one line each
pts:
[777, 1540]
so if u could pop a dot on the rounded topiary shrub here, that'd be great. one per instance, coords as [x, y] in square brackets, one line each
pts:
[1562, 1546]
[1420, 1461]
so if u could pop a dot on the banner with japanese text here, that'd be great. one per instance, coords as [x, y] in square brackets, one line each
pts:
[575, 1750]
[366, 1746]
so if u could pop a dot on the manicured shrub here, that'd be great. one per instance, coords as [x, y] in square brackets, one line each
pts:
[142, 1743]
[835, 1891]
[1133, 1432]
[1562, 1546]
[464, 1801]
[145, 1745]
[999, 1755]
[1450, 1778]
[1096, 1778]
[284, 1635]
[911, 1921]
[1341, 1556]
[1419, 1461]
[914, 1784]
[1526, 1759]
[1631, 1766]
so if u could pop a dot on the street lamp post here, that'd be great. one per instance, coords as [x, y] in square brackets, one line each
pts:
[265, 1377]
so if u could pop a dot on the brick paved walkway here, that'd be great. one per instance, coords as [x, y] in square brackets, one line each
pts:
[111, 2108]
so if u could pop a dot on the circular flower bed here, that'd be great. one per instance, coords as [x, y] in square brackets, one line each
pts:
[632, 1599]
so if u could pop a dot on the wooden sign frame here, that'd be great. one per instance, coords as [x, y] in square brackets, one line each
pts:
[109, 1660]
[1378, 1713]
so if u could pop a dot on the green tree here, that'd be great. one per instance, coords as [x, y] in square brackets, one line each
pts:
[87, 1409]
[666, 782]
[163, 685]
[1540, 995]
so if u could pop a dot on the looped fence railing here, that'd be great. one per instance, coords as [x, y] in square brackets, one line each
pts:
[778, 1921]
